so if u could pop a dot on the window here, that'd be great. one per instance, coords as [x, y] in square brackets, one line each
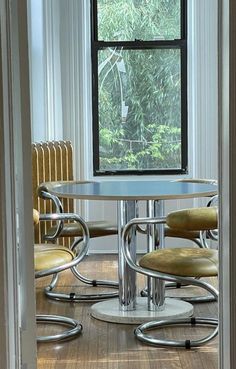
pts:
[139, 61]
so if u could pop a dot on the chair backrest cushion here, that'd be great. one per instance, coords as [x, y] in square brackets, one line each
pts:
[193, 219]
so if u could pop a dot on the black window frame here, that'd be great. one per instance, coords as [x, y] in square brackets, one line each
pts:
[180, 44]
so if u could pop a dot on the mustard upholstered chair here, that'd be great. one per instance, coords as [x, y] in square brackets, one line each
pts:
[179, 265]
[191, 235]
[50, 259]
[52, 164]
[185, 233]
[64, 229]
[198, 237]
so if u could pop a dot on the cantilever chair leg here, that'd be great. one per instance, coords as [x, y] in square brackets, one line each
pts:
[97, 283]
[142, 335]
[76, 297]
[75, 327]
[140, 332]
[190, 299]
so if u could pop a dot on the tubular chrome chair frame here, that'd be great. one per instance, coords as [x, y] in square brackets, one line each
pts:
[201, 242]
[43, 193]
[75, 327]
[140, 332]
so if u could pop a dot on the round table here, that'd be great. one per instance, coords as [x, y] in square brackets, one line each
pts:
[128, 308]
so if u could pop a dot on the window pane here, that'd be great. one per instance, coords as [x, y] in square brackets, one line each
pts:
[139, 109]
[127, 20]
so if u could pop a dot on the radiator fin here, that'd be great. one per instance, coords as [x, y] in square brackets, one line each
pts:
[51, 161]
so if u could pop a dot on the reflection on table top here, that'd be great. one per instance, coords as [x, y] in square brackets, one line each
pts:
[134, 190]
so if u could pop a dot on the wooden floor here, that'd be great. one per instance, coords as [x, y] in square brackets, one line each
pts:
[113, 346]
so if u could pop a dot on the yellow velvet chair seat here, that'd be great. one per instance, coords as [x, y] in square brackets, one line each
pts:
[50, 256]
[185, 262]
[96, 229]
[193, 219]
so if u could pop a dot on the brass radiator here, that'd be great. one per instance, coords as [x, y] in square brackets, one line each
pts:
[51, 161]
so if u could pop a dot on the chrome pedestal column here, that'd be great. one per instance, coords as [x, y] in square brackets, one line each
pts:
[127, 210]
[155, 287]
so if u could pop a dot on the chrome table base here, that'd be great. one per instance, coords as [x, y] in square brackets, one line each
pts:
[110, 311]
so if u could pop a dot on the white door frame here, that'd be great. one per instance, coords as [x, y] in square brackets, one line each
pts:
[227, 182]
[17, 303]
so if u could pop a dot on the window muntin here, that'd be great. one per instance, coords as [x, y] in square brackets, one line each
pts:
[139, 99]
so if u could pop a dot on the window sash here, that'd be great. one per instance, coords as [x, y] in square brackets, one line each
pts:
[139, 45]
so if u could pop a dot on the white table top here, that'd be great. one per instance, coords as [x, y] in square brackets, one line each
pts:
[134, 190]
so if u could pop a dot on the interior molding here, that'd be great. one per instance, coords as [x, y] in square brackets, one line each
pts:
[67, 72]
[17, 305]
[7, 343]
[37, 70]
[227, 158]
[203, 87]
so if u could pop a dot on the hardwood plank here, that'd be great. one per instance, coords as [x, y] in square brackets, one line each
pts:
[113, 346]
